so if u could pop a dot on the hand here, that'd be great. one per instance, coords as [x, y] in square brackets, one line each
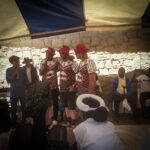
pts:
[16, 70]
[100, 90]
[71, 88]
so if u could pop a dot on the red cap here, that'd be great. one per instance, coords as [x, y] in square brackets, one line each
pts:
[50, 50]
[81, 48]
[65, 49]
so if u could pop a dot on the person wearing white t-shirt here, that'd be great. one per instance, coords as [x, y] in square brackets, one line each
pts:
[144, 81]
[95, 133]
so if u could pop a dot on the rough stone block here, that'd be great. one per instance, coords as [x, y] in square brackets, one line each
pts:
[57, 43]
[132, 34]
[103, 71]
[95, 41]
[75, 35]
[36, 52]
[113, 71]
[103, 43]
[100, 64]
[86, 40]
[47, 42]
[115, 64]
[128, 63]
[67, 42]
[108, 64]
[38, 43]
[27, 54]
[75, 42]
[19, 54]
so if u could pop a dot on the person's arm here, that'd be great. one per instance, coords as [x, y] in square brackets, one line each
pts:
[70, 137]
[43, 67]
[129, 87]
[137, 72]
[91, 67]
[75, 69]
[35, 74]
[26, 82]
[10, 75]
[92, 82]
[99, 86]
[114, 87]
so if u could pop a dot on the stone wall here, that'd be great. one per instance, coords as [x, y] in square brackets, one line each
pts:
[112, 40]
[107, 63]
[110, 49]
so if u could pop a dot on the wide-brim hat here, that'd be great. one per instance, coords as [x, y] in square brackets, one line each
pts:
[84, 107]
[64, 49]
[13, 58]
[26, 59]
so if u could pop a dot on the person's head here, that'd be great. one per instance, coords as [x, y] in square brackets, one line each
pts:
[121, 72]
[92, 106]
[81, 51]
[64, 52]
[50, 52]
[27, 61]
[14, 60]
[5, 122]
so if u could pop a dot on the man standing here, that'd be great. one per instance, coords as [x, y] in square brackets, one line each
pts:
[68, 68]
[30, 71]
[86, 79]
[48, 70]
[17, 78]
[121, 89]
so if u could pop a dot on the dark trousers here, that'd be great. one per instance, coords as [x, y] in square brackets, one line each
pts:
[132, 100]
[143, 97]
[14, 107]
[55, 93]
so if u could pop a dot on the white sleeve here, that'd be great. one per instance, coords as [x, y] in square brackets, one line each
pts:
[91, 66]
[42, 64]
[79, 133]
[139, 77]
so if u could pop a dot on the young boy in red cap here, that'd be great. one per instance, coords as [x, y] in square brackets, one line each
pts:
[86, 79]
[48, 70]
[68, 69]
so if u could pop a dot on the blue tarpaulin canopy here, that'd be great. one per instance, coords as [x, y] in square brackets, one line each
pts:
[45, 17]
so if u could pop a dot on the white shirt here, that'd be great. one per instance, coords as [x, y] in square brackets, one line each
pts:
[144, 81]
[28, 70]
[92, 135]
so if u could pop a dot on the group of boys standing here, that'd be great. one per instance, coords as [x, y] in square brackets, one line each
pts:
[69, 70]
[74, 79]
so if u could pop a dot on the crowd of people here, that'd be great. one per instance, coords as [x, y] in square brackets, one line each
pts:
[76, 91]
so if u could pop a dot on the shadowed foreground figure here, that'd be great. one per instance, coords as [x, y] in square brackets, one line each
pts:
[95, 132]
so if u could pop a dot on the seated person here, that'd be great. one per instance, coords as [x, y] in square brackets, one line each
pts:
[95, 133]
[121, 89]
[144, 81]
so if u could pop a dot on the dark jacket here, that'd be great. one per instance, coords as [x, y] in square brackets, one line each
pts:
[17, 86]
[115, 86]
[34, 75]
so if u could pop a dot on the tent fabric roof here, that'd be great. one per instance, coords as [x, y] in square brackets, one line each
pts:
[32, 17]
